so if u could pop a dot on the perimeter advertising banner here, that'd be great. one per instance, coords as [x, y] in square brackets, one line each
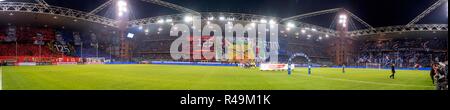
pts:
[275, 67]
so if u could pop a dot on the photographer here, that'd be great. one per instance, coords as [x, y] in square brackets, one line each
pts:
[440, 77]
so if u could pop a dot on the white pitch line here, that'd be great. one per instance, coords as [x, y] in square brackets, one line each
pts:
[368, 82]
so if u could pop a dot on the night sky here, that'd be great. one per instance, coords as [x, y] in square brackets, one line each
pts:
[376, 12]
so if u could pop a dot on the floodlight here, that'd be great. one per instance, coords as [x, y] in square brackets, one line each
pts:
[169, 20]
[160, 21]
[253, 24]
[188, 18]
[343, 20]
[303, 31]
[121, 8]
[291, 25]
[221, 18]
[211, 18]
[288, 29]
[343, 16]
[263, 21]
[272, 22]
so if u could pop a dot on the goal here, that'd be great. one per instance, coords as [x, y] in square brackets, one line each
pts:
[373, 65]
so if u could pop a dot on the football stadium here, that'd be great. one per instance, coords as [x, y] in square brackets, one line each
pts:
[203, 45]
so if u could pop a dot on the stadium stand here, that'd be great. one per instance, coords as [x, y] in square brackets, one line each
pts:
[404, 52]
[408, 53]
[54, 46]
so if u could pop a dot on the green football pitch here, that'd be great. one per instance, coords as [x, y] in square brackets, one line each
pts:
[171, 77]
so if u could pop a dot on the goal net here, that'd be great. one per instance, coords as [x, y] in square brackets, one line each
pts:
[373, 65]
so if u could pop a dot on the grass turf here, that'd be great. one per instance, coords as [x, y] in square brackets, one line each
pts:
[171, 77]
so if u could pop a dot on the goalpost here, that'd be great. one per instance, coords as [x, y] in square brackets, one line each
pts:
[374, 65]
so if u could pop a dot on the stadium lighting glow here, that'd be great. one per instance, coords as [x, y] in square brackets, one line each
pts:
[188, 18]
[314, 29]
[327, 36]
[253, 24]
[146, 30]
[140, 27]
[160, 29]
[211, 18]
[263, 21]
[2, 0]
[122, 7]
[343, 16]
[160, 21]
[303, 31]
[272, 21]
[320, 38]
[288, 29]
[169, 20]
[120, 14]
[290, 25]
[343, 20]
[221, 18]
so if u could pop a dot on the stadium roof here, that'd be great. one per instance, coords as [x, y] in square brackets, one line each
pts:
[378, 13]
